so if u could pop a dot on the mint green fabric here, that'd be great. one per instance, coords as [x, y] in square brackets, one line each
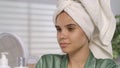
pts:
[60, 61]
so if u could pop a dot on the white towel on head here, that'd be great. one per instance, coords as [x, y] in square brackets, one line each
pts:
[97, 21]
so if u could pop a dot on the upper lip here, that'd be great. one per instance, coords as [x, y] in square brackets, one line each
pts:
[64, 43]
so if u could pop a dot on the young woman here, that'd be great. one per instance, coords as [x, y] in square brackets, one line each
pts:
[84, 33]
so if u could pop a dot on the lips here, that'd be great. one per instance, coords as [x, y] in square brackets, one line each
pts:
[64, 45]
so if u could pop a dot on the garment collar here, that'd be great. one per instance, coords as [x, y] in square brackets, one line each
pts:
[91, 61]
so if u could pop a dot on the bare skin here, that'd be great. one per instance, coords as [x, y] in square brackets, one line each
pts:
[72, 40]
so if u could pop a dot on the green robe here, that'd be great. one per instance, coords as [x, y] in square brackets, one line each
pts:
[61, 61]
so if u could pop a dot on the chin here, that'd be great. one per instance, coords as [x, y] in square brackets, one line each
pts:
[65, 51]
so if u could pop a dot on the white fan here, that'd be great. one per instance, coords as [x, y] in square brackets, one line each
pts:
[12, 44]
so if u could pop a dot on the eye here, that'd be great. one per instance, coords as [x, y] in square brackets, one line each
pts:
[58, 29]
[70, 28]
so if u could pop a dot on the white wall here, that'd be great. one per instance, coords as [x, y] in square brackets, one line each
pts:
[115, 4]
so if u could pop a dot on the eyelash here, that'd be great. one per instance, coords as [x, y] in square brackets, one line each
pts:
[69, 29]
[58, 29]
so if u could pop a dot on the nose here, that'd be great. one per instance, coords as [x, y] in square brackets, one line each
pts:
[62, 34]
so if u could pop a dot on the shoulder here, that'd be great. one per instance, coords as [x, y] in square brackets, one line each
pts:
[106, 63]
[52, 57]
[50, 61]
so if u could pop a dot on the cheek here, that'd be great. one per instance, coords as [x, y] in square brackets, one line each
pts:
[75, 35]
[78, 37]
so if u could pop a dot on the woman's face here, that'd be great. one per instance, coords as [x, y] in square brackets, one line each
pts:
[70, 36]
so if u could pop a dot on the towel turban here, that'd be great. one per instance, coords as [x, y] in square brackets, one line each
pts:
[97, 21]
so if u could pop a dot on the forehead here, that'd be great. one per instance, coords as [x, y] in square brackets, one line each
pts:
[64, 18]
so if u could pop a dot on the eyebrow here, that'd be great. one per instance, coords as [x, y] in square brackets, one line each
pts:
[68, 25]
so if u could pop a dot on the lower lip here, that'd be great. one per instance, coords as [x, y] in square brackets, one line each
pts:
[64, 45]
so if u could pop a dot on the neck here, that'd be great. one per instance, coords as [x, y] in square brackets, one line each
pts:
[79, 58]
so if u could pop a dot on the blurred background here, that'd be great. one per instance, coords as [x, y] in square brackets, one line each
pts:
[32, 21]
